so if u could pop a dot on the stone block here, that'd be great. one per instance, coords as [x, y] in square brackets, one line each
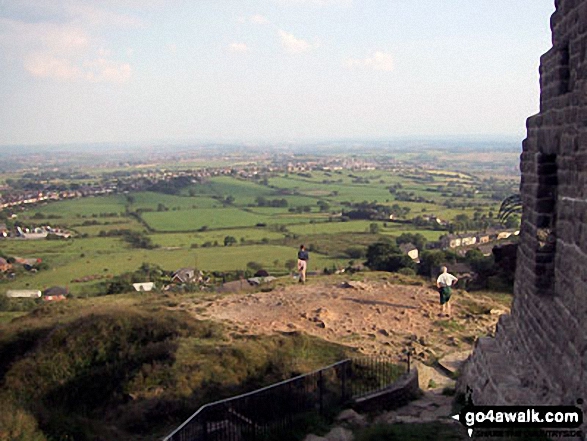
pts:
[339, 434]
[548, 318]
[352, 418]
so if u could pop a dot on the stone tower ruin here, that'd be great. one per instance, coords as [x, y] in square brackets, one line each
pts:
[539, 353]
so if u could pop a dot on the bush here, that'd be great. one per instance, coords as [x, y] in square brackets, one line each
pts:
[355, 252]
[407, 271]
[379, 253]
[17, 424]
[254, 266]
[385, 255]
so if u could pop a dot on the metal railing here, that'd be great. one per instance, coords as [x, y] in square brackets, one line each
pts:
[255, 415]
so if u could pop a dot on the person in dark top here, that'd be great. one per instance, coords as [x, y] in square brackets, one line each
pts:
[302, 263]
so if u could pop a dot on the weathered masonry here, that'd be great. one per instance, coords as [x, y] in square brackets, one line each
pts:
[539, 353]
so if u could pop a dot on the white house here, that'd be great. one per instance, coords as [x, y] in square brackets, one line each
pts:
[146, 286]
[23, 293]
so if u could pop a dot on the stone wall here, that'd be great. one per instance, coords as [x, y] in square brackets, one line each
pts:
[539, 353]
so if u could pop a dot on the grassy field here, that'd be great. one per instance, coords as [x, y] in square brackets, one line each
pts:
[84, 207]
[101, 258]
[189, 229]
[192, 220]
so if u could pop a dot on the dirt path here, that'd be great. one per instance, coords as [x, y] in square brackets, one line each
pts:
[376, 316]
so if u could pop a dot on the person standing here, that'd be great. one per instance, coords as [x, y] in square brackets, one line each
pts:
[302, 263]
[444, 282]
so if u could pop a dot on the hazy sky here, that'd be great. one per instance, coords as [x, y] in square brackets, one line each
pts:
[249, 70]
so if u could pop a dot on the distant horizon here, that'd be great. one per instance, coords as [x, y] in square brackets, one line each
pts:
[310, 142]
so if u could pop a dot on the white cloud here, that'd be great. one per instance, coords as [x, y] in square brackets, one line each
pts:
[99, 70]
[72, 48]
[238, 47]
[104, 70]
[292, 44]
[49, 66]
[18, 37]
[94, 16]
[259, 19]
[172, 47]
[381, 61]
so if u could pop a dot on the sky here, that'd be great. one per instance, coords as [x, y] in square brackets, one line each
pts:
[142, 71]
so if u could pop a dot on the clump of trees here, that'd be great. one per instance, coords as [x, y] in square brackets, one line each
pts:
[385, 255]
[264, 202]
[147, 272]
[173, 186]
[136, 239]
[416, 239]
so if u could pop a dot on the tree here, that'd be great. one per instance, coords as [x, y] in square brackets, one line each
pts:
[254, 266]
[379, 253]
[323, 206]
[511, 206]
[290, 264]
[374, 228]
[430, 261]
[355, 252]
[138, 239]
[415, 238]
[229, 240]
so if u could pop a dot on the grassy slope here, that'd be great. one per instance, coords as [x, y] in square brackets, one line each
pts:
[125, 367]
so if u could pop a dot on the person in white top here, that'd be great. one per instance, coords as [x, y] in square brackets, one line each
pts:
[444, 283]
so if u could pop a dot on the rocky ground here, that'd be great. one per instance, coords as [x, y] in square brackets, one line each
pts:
[380, 316]
[374, 316]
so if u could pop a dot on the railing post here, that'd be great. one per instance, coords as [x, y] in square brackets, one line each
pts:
[408, 361]
[320, 391]
[343, 384]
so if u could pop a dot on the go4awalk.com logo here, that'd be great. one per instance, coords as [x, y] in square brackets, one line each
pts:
[553, 421]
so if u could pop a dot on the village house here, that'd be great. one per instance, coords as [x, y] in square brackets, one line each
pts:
[467, 240]
[491, 235]
[145, 286]
[23, 293]
[187, 275]
[411, 250]
[451, 241]
[483, 238]
[55, 293]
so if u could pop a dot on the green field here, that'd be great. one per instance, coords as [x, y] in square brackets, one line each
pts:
[189, 228]
[191, 220]
[104, 257]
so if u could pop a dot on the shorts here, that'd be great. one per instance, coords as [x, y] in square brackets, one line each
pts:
[302, 265]
[445, 293]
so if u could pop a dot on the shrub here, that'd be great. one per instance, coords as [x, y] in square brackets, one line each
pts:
[355, 252]
[407, 271]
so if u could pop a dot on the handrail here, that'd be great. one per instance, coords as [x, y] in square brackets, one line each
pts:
[254, 392]
[316, 391]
